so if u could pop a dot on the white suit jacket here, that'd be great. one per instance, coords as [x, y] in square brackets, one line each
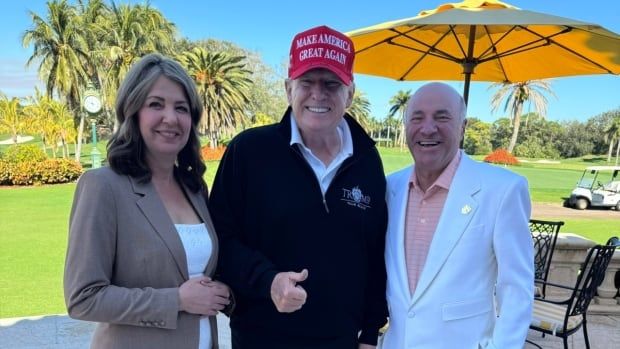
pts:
[476, 288]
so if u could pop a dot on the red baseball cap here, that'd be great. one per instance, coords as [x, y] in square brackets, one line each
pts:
[322, 47]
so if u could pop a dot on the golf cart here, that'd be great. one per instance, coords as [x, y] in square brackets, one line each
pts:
[599, 186]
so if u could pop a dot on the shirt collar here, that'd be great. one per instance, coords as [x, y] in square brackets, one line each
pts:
[445, 178]
[343, 131]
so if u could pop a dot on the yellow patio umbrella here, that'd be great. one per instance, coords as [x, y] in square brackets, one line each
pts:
[484, 41]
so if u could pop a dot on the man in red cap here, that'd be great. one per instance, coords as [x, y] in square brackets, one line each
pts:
[299, 209]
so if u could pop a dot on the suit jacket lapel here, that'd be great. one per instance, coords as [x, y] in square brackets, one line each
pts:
[458, 211]
[399, 193]
[153, 209]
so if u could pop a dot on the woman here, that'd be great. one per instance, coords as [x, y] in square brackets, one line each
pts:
[142, 246]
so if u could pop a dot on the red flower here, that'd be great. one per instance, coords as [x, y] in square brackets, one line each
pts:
[212, 154]
[501, 156]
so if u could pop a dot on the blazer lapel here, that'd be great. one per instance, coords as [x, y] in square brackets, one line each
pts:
[398, 205]
[153, 209]
[458, 211]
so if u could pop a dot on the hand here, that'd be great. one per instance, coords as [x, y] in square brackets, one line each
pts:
[203, 296]
[366, 346]
[286, 294]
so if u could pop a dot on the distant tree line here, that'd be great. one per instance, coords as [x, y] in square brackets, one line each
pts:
[541, 138]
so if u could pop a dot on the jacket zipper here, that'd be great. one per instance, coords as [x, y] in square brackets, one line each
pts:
[342, 167]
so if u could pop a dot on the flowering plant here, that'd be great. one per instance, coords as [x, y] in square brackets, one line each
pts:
[501, 156]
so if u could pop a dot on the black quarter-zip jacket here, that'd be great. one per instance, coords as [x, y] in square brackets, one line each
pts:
[270, 216]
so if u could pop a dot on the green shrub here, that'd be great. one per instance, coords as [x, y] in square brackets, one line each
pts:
[5, 172]
[24, 153]
[53, 171]
[535, 149]
[50, 171]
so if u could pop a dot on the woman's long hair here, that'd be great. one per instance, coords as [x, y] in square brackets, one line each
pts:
[126, 153]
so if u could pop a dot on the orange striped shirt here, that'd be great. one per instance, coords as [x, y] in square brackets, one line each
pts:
[423, 213]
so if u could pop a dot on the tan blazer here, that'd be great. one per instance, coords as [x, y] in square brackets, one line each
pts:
[125, 262]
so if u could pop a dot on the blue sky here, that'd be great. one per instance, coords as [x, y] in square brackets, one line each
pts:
[268, 27]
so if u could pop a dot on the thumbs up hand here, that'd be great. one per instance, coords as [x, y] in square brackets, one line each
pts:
[286, 294]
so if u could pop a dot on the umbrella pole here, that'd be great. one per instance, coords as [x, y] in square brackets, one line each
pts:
[469, 63]
[468, 68]
[466, 87]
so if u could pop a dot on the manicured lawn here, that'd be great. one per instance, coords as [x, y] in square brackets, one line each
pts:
[395, 159]
[33, 239]
[548, 182]
[599, 230]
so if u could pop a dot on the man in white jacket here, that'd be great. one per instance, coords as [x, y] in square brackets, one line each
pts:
[459, 255]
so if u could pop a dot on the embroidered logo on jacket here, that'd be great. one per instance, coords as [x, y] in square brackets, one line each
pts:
[355, 197]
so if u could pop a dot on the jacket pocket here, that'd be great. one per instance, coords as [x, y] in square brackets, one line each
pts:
[465, 309]
[473, 234]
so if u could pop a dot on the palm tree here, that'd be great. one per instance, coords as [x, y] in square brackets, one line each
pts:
[360, 109]
[64, 125]
[398, 104]
[612, 134]
[40, 120]
[223, 83]
[11, 116]
[515, 95]
[61, 49]
[130, 32]
[391, 123]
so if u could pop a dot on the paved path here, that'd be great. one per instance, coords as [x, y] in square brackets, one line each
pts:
[60, 332]
[20, 139]
[549, 210]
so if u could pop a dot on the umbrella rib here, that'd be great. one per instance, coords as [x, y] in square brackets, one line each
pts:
[542, 41]
[432, 51]
[457, 40]
[493, 48]
[513, 51]
[567, 30]
[386, 40]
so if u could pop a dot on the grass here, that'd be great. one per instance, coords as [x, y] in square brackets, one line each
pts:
[548, 182]
[33, 240]
[34, 224]
[598, 230]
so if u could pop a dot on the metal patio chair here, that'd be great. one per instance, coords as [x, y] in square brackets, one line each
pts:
[563, 318]
[544, 236]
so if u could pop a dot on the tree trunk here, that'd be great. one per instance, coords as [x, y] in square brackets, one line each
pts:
[402, 136]
[65, 148]
[78, 148]
[43, 143]
[617, 152]
[611, 147]
[14, 135]
[515, 128]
